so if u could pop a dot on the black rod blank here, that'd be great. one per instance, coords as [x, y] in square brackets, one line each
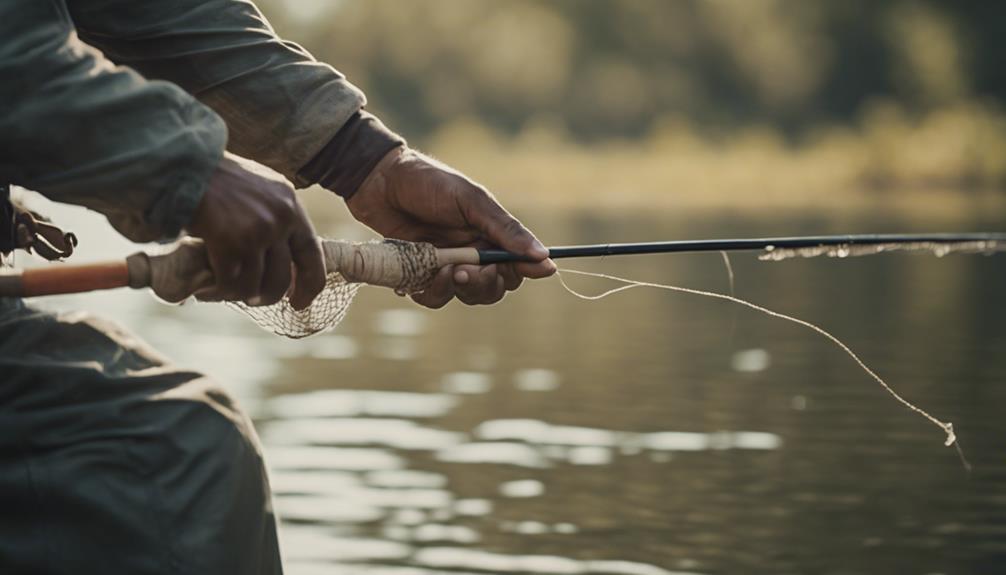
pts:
[684, 246]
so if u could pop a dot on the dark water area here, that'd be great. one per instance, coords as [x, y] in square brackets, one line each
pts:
[646, 433]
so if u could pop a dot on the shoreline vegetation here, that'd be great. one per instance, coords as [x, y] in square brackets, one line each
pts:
[656, 105]
[950, 159]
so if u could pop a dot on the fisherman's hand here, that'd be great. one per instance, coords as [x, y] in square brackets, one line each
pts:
[410, 196]
[258, 239]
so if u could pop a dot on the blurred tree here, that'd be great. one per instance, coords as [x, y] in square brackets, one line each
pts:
[613, 68]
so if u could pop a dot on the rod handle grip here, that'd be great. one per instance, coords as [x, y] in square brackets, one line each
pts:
[487, 257]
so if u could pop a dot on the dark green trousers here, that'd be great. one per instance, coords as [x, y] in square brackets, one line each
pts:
[114, 461]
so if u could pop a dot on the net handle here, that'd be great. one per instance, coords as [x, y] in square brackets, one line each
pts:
[65, 279]
[69, 279]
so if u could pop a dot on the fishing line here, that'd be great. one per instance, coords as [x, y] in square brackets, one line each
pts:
[947, 427]
[730, 270]
[409, 267]
[730, 278]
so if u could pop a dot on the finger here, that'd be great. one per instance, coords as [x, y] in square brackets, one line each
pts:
[277, 274]
[535, 270]
[249, 281]
[511, 279]
[209, 295]
[501, 290]
[476, 284]
[492, 293]
[486, 214]
[440, 292]
[226, 268]
[305, 252]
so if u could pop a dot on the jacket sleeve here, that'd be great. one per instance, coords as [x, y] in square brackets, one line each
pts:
[281, 106]
[80, 130]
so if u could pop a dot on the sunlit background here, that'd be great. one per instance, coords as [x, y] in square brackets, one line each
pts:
[781, 103]
[650, 433]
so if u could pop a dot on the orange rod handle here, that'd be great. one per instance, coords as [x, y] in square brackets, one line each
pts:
[74, 279]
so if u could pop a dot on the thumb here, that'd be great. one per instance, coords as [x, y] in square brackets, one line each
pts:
[500, 227]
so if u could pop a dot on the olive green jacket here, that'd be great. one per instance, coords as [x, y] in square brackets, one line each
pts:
[126, 106]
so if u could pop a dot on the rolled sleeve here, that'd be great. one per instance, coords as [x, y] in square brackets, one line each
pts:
[348, 158]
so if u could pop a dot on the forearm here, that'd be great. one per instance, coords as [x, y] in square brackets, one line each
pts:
[82, 131]
[281, 106]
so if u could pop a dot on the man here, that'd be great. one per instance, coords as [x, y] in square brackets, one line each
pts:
[111, 460]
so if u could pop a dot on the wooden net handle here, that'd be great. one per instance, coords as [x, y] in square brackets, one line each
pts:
[65, 279]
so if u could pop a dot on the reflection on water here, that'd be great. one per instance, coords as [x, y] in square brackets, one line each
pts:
[346, 402]
[466, 382]
[536, 379]
[648, 434]
[396, 433]
[751, 360]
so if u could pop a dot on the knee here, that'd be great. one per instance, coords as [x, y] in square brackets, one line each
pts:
[205, 459]
[200, 423]
[203, 435]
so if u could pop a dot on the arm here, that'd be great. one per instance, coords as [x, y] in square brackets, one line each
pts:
[303, 119]
[281, 106]
[146, 154]
[80, 130]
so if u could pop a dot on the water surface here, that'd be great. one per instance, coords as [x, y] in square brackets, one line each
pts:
[644, 434]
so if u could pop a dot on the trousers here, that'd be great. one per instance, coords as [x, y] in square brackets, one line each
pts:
[114, 461]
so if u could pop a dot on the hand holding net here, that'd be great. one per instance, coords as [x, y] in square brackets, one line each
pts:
[406, 267]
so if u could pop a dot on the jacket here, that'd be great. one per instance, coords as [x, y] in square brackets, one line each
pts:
[126, 107]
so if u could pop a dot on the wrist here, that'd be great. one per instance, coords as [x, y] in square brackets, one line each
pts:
[372, 196]
[351, 156]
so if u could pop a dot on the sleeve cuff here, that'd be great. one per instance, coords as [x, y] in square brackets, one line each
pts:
[348, 158]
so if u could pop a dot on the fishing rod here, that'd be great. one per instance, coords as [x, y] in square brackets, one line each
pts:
[488, 256]
[405, 265]
[410, 267]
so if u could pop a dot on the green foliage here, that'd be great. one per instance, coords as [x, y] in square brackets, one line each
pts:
[873, 94]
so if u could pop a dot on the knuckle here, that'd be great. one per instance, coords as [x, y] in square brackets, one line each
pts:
[286, 209]
[486, 201]
[478, 191]
[260, 229]
[281, 204]
[513, 227]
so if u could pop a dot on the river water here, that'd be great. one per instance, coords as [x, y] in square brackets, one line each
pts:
[644, 434]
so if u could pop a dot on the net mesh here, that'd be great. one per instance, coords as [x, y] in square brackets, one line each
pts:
[406, 267]
[324, 313]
